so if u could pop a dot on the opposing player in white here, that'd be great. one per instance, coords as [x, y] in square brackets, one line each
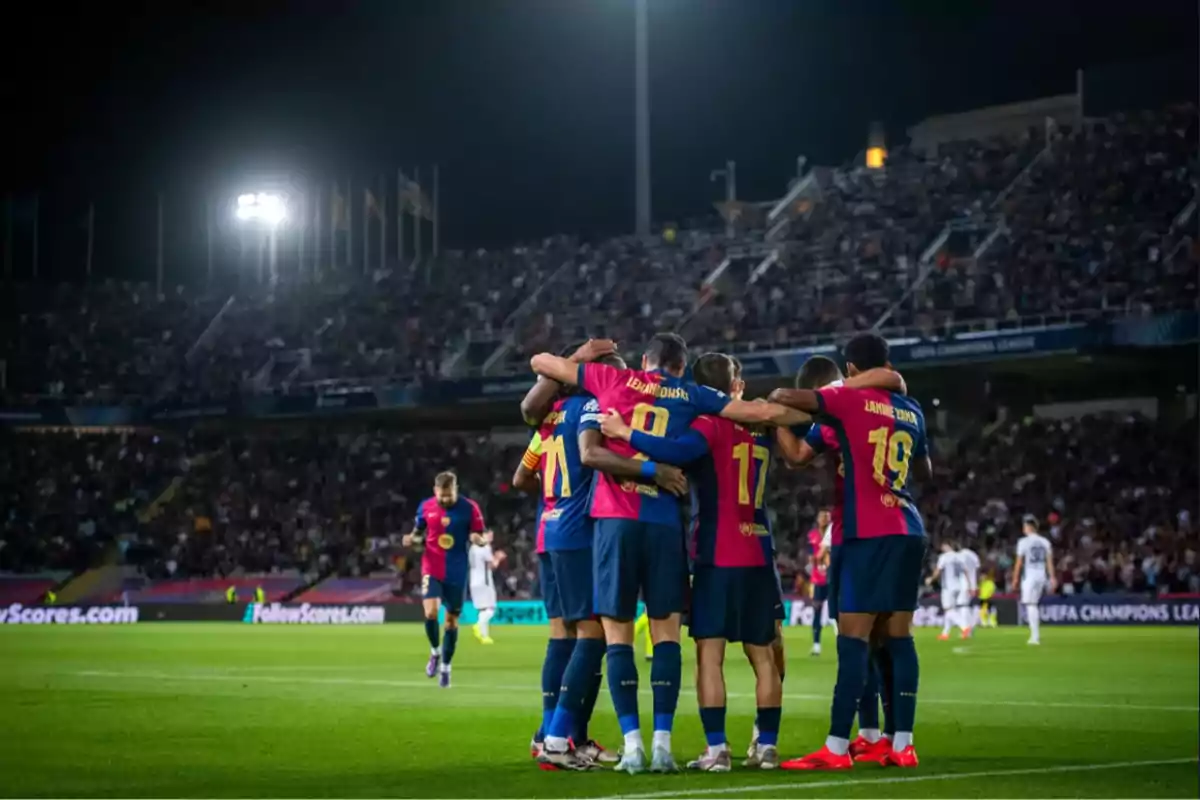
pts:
[1035, 570]
[949, 572]
[481, 561]
[970, 586]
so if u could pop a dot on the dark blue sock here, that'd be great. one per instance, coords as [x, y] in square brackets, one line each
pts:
[868, 704]
[851, 677]
[665, 676]
[817, 623]
[590, 653]
[623, 686]
[449, 642]
[554, 667]
[713, 720]
[431, 632]
[573, 684]
[906, 675]
[768, 725]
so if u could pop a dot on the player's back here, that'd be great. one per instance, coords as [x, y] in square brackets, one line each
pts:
[1033, 549]
[566, 482]
[654, 402]
[951, 565]
[880, 433]
[732, 529]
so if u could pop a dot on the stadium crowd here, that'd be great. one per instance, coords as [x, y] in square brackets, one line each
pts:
[1116, 493]
[1085, 214]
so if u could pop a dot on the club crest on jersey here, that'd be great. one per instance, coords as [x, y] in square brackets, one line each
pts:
[445, 541]
[445, 521]
[888, 500]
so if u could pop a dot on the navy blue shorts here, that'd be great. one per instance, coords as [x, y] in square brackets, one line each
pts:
[879, 575]
[779, 612]
[820, 593]
[632, 558]
[566, 577]
[451, 594]
[738, 604]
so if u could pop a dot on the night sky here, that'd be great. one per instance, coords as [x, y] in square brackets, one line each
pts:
[526, 104]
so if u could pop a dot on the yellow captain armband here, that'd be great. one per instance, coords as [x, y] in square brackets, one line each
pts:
[533, 453]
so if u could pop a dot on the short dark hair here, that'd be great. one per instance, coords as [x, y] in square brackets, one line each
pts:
[866, 351]
[716, 371]
[445, 480]
[570, 349]
[1031, 521]
[612, 360]
[667, 350]
[818, 371]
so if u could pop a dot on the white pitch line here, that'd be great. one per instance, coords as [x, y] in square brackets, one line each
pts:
[949, 776]
[426, 684]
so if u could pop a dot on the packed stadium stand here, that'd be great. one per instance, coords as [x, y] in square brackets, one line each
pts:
[1060, 224]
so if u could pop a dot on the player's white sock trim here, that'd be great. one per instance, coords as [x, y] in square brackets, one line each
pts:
[837, 745]
[435, 651]
[872, 735]
[716, 749]
[557, 744]
[901, 741]
[445, 668]
[633, 741]
[662, 739]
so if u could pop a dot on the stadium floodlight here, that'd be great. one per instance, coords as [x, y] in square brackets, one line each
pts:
[266, 208]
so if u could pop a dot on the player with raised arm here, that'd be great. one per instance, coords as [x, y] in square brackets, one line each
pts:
[568, 448]
[446, 523]
[1034, 570]
[872, 743]
[970, 564]
[735, 590]
[950, 574]
[481, 560]
[820, 539]
[877, 572]
[638, 540]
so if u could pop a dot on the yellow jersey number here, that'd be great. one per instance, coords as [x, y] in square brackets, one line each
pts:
[554, 461]
[893, 449]
[744, 455]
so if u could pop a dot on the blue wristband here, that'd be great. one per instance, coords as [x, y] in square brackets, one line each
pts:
[648, 468]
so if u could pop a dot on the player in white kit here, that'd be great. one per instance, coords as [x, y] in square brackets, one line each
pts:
[1035, 570]
[970, 586]
[481, 561]
[949, 572]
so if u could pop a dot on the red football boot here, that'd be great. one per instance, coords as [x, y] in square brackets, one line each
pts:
[870, 752]
[905, 758]
[824, 759]
[943, 637]
[966, 634]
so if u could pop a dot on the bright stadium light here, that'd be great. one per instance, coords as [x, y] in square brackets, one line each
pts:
[267, 208]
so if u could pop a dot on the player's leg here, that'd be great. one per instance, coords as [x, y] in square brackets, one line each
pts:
[818, 607]
[664, 586]
[615, 574]
[947, 614]
[761, 633]
[858, 603]
[904, 578]
[641, 630]
[711, 602]
[452, 600]
[1031, 594]
[710, 692]
[580, 680]
[559, 647]
[431, 593]
[485, 622]
[964, 613]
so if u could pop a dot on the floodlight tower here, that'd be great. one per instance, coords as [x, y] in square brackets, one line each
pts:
[265, 213]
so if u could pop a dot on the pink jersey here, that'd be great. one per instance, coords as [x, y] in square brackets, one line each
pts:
[447, 536]
[655, 403]
[815, 537]
[879, 434]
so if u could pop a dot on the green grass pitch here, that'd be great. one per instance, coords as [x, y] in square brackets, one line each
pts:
[230, 710]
